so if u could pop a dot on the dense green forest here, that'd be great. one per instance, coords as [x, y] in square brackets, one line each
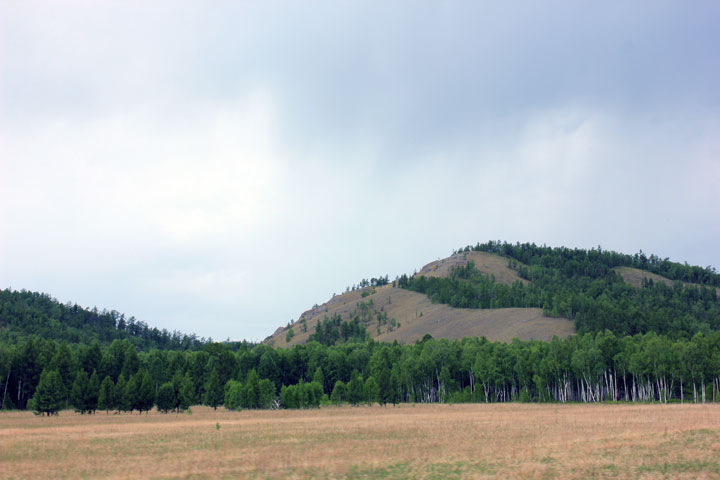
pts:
[657, 343]
[45, 375]
[582, 285]
[24, 313]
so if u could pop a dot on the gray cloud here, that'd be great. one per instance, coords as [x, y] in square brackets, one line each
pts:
[220, 168]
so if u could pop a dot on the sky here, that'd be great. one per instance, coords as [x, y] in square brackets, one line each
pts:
[219, 167]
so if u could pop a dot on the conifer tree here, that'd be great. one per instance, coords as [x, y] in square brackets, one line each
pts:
[129, 398]
[214, 390]
[50, 394]
[79, 392]
[119, 394]
[187, 393]
[93, 393]
[106, 397]
[166, 400]
[356, 389]
[145, 398]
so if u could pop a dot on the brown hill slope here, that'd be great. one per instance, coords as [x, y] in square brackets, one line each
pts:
[635, 277]
[390, 313]
[485, 262]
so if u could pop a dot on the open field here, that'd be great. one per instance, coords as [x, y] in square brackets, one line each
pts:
[423, 441]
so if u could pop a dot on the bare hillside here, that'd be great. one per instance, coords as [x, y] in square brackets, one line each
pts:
[635, 276]
[390, 313]
[485, 262]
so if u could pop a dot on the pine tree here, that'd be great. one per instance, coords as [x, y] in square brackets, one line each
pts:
[187, 393]
[356, 389]
[129, 397]
[79, 392]
[93, 393]
[62, 361]
[146, 392]
[166, 400]
[131, 363]
[106, 397]
[214, 390]
[49, 396]
[119, 394]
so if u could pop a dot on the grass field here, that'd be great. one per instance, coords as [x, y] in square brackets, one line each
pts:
[423, 441]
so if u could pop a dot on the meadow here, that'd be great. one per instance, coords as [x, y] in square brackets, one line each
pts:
[408, 441]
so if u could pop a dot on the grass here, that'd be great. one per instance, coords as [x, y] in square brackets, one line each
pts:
[428, 441]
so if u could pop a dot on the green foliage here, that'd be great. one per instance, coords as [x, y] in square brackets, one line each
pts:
[302, 395]
[618, 356]
[334, 330]
[130, 393]
[49, 396]
[187, 393]
[93, 394]
[214, 390]
[235, 396]
[106, 397]
[166, 398]
[29, 313]
[371, 391]
[80, 392]
[339, 393]
[121, 401]
[356, 389]
[145, 398]
[290, 334]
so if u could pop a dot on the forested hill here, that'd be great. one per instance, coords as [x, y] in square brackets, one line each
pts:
[593, 287]
[24, 314]
[504, 291]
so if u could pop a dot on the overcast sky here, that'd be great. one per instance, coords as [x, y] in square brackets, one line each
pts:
[219, 167]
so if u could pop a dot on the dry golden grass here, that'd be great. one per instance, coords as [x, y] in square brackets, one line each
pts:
[423, 441]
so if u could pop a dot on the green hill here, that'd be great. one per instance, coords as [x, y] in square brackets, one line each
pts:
[503, 291]
[24, 314]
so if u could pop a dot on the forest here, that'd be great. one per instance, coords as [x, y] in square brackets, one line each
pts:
[657, 343]
[46, 376]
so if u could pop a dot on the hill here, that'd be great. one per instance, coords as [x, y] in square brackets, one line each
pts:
[504, 291]
[638, 278]
[389, 313]
[24, 314]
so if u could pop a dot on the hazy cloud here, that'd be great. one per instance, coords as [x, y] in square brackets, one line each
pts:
[220, 167]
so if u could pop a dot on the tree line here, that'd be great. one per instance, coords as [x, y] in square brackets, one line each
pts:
[46, 376]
